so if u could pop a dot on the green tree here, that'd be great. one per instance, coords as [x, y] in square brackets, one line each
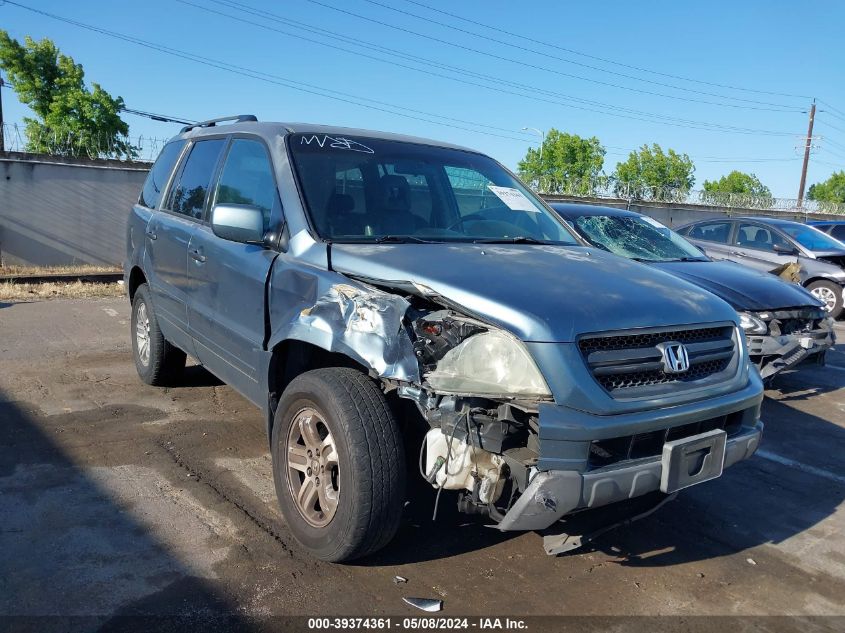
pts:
[831, 190]
[738, 182]
[71, 119]
[652, 174]
[737, 188]
[567, 163]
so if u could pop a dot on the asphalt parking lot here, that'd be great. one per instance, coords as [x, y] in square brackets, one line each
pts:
[121, 499]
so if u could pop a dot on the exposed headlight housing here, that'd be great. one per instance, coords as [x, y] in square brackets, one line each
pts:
[751, 324]
[475, 359]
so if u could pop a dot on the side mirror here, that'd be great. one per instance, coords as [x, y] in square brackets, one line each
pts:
[238, 222]
[784, 250]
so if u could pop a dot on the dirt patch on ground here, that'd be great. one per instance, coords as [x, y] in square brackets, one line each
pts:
[13, 291]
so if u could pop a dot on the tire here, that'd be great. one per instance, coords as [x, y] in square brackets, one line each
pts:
[830, 293]
[356, 509]
[158, 362]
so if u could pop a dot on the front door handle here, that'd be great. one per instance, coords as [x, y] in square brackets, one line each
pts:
[151, 234]
[197, 256]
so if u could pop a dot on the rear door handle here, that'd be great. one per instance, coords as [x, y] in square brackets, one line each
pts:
[197, 256]
[151, 234]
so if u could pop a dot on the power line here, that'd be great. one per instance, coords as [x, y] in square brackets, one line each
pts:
[780, 107]
[830, 107]
[639, 114]
[601, 59]
[569, 61]
[274, 79]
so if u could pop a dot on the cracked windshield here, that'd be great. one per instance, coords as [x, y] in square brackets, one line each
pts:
[637, 238]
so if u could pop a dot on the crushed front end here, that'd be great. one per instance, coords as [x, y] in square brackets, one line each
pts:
[783, 339]
[529, 432]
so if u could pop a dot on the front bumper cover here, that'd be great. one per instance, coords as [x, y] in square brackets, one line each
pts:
[554, 493]
[773, 354]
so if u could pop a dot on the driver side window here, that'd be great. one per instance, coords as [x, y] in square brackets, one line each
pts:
[759, 237]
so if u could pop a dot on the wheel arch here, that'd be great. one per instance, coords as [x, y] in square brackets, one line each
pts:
[136, 278]
[292, 357]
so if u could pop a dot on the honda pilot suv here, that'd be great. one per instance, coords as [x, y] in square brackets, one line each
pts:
[388, 300]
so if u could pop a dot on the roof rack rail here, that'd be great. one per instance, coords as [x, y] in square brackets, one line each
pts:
[239, 118]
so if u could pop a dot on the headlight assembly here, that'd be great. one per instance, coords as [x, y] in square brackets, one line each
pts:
[477, 360]
[751, 324]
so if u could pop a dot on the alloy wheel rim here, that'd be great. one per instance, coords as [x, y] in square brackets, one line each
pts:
[827, 296]
[142, 334]
[313, 474]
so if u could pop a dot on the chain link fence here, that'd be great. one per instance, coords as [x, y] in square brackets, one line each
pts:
[608, 187]
[132, 149]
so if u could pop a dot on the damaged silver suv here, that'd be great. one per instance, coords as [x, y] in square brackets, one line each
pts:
[388, 300]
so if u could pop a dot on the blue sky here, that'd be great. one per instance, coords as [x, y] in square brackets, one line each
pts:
[754, 45]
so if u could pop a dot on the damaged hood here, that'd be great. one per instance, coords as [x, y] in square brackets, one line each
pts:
[743, 288]
[540, 293]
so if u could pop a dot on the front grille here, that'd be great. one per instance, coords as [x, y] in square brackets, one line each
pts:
[618, 449]
[650, 339]
[628, 365]
[698, 371]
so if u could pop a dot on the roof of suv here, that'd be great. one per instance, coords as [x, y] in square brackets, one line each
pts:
[269, 130]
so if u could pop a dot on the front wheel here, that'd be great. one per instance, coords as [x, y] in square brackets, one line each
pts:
[830, 294]
[338, 464]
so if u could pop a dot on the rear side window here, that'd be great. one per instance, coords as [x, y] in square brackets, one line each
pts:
[838, 232]
[157, 178]
[188, 195]
[247, 178]
[711, 232]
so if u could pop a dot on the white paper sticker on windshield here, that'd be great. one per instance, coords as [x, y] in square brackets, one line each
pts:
[654, 222]
[514, 198]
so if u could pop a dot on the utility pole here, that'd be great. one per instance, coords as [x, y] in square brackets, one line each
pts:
[2, 131]
[806, 154]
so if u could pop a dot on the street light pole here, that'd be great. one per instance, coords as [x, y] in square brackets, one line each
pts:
[542, 137]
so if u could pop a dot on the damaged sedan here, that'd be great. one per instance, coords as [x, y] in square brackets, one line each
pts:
[396, 305]
[783, 323]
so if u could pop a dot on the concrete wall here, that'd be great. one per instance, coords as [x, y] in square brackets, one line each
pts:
[55, 212]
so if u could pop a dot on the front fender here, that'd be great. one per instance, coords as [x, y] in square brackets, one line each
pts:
[353, 319]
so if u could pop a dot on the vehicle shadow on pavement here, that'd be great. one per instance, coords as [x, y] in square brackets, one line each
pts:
[422, 539]
[72, 554]
[765, 500]
[197, 376]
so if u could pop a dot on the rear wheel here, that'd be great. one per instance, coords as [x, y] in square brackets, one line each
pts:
[830, 294]
[158, 362]
[338, 464]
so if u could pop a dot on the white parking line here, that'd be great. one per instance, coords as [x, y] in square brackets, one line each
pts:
[785, 461]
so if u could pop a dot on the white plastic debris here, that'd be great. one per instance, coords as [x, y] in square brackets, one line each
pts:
[750, 561]
[425, 604]
[399, 579]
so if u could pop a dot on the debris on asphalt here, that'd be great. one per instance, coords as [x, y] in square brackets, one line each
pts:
[399, 579]
[750, 561]
[425, 604]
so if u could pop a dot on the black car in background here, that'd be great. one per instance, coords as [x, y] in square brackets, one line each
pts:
[767, 244]
[834, 228]
[784, 324]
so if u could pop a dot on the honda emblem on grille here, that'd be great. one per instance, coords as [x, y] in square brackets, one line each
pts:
[675, 357]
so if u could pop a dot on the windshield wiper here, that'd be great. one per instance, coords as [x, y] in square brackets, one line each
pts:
[402, 239]
[519, 239]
